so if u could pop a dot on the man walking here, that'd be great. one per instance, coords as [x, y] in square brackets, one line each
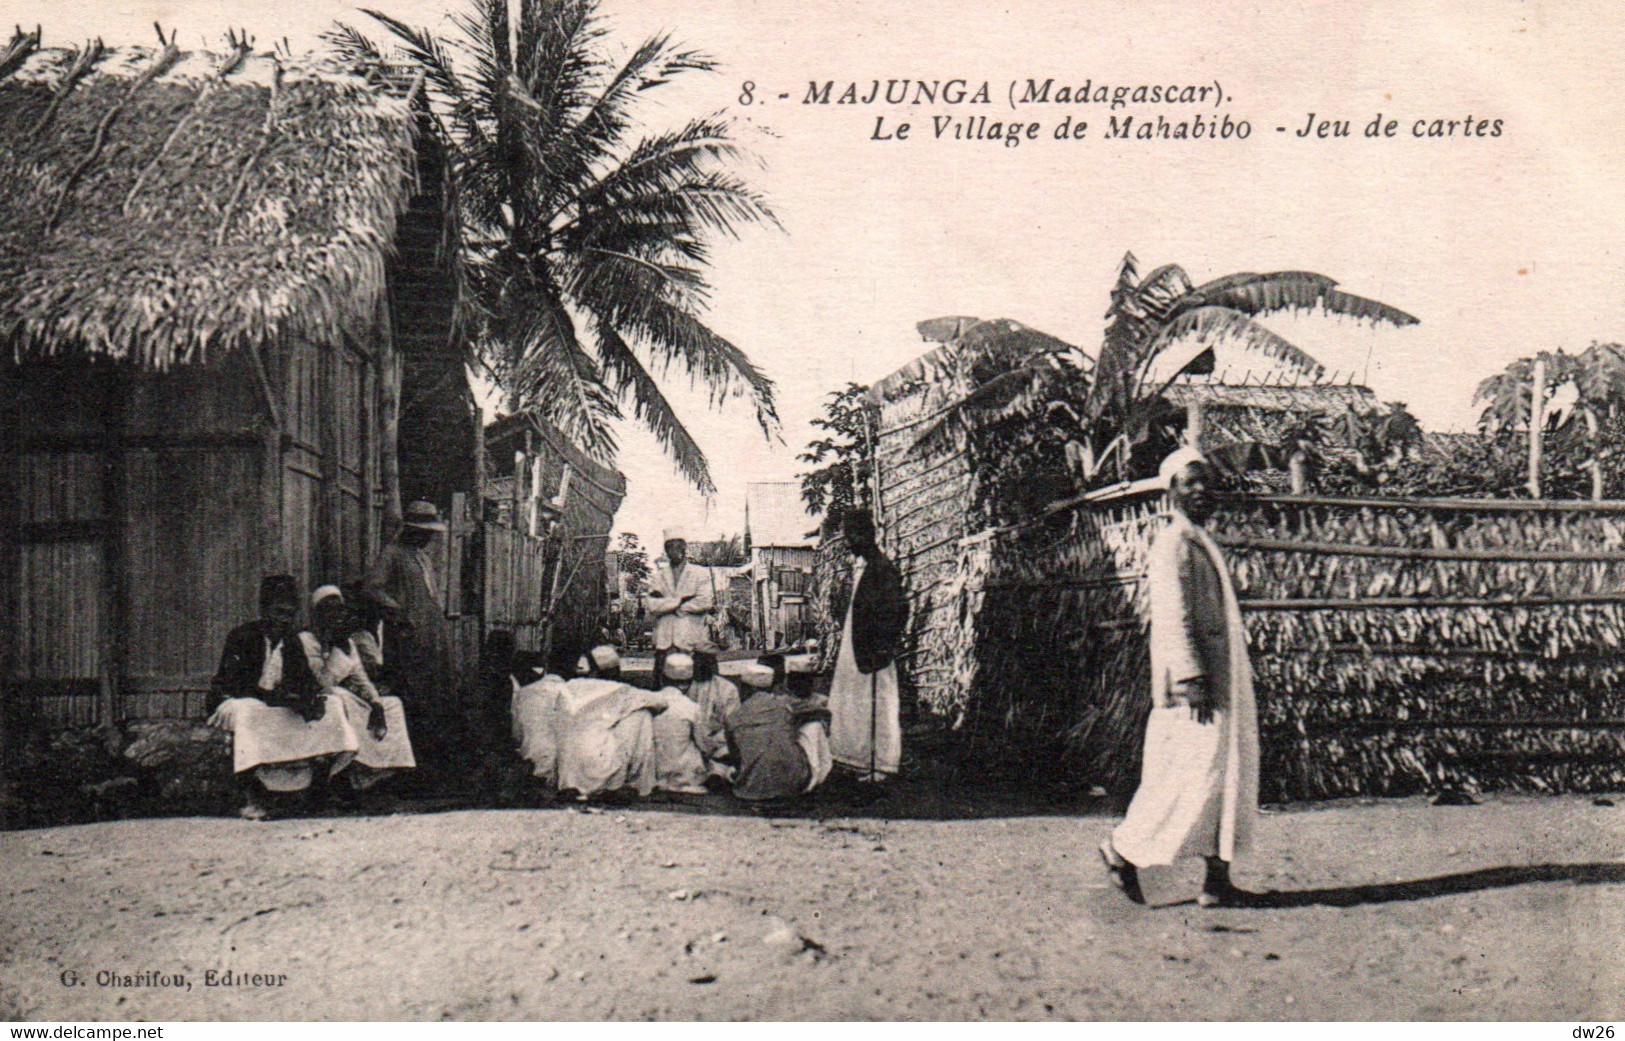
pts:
[866, 735]
[1198, 791]
[680, 596]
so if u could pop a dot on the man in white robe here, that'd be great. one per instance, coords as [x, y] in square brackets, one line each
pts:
[680, 596]
[866, 735]
[1198, 793]
[679, 761]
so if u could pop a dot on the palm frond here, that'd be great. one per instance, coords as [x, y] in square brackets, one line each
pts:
[351, 46]
[628, 376]
[1184, 338]
[1277, 291]
[427, 51]
[548, 374]
[675, 337]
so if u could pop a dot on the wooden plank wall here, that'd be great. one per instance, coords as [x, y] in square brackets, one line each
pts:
[56, 579]
[141, 510]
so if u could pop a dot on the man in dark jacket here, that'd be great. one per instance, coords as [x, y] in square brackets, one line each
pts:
[264, 664]
[242, 662]
[865, 733]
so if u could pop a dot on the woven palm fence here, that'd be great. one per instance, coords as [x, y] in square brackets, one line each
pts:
[1399, 645]
[921, 501]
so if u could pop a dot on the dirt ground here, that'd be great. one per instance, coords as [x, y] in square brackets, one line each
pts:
[917, 908]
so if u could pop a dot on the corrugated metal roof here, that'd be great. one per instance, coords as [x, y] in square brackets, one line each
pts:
[776, 516]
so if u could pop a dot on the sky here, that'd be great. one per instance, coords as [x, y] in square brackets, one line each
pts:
[1501, 246]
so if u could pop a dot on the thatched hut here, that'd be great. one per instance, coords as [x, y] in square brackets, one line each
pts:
[212, 268]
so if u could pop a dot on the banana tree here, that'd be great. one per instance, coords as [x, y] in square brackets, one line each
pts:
[1162, 327]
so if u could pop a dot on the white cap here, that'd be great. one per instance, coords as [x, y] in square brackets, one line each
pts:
[583, 666]
[671, 534]
[1177, 461]
[325, 593]
[756, 675]
[679, 666]
[605, 657]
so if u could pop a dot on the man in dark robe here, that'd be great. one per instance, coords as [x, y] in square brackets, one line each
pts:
[779, 742]
[865, 730]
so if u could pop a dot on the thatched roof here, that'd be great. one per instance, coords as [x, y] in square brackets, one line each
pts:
[1304, 397]
[161, 205]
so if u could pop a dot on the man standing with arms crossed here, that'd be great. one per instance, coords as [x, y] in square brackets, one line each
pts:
[680, 596]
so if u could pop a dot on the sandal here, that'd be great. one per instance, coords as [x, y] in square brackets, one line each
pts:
[1123, 874]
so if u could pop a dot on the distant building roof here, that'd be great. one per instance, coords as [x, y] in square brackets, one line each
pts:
[776, 516]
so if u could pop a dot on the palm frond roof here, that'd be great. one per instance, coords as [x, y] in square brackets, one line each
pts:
[160, 206]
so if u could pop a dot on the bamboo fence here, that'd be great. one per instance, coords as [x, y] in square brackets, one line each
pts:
[1399, 645]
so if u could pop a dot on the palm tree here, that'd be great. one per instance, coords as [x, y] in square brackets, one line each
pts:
[1590, 384]
[583, 251]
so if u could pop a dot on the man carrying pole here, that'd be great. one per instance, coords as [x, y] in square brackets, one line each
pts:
[1198, 793]
[866, 734]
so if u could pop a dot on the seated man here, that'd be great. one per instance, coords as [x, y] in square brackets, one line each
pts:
[716, 697]
[379, 722]
[780, 743]
[586, 736]
[283, 725]
[679, 763]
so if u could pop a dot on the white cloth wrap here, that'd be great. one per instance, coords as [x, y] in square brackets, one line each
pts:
[266, 735]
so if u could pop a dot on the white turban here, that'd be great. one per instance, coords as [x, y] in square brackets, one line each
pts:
[325, 593]
[673, 534]
[1177, 461]
[756, 675]
[605, 657]
[679, 666]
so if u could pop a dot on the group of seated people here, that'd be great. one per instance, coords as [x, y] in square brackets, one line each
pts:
[584, 732]
[302, 704]
[314, 705]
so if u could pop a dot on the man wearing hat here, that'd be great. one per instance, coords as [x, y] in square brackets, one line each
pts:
[867, 733]
[1198, 790]
[408, 573]
[266, 694]
[680, 596]
[781, 743]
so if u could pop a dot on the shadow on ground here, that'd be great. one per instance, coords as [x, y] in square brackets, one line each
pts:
[1442, 885]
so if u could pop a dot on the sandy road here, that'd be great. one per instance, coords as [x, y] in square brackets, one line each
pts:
[1510, 909]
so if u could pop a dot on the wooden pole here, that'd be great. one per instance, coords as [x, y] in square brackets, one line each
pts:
[1537, 425]
[1596, 455]
[389, 407]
